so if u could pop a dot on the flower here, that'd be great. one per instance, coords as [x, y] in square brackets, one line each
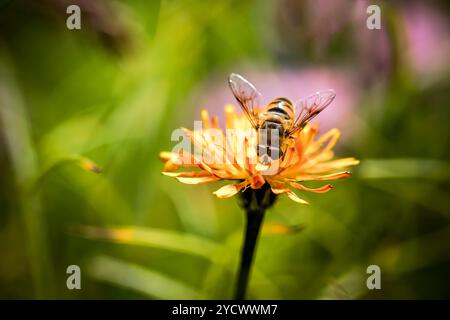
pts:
[306, 159]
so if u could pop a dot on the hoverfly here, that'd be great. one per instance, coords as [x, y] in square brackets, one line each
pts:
[279, 116]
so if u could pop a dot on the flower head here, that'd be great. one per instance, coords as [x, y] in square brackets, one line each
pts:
[231, 155]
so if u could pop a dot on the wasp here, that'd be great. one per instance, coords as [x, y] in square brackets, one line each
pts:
[278, 123]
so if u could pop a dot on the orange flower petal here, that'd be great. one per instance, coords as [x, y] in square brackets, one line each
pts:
[276, 186]
[215, 122]
[323, 189]
[333, 176]
[308, 133]
[324, 143]
[279, 188]
[257, 181]
[230, 116]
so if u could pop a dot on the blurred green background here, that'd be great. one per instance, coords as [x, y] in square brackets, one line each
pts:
[110, 95]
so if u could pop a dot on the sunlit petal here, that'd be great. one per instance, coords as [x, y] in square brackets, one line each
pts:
[333, 165]
[230, 189]
[188, 174]
[197, 180]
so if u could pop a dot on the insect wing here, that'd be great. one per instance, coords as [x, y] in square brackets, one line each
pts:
[310, 107]
[247, 96]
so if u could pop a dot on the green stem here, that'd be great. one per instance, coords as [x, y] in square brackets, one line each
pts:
[253, 225]
[255, 202]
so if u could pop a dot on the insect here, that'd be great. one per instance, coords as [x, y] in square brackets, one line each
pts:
[277, 123]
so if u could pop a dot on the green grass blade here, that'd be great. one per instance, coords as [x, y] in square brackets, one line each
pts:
[138, 278]
[157, 238]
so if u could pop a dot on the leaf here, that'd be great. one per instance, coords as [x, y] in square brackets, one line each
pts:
[172, 240]
[158, 238]
[16, 133]
[138, 278]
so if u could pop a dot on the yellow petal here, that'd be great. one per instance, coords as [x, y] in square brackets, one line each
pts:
[170, 166]
[261, 167]
[324, 156]
[294, 197]
[166, 155]
[188, 174]
[172, 160]
[205, 119]
[197, 180]
[230, 189]
[230, 116]
[338, 164]
[196, 138]
[307, 134]
[325, 142]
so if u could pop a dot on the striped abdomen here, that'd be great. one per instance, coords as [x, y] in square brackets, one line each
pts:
[278, 114]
